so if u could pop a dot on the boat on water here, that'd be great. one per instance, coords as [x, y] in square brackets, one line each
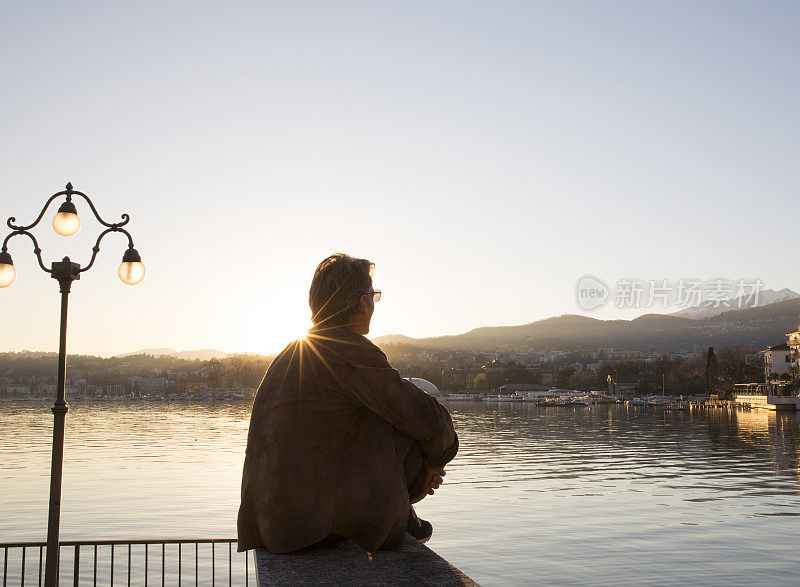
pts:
[638, 402]
[537, 396]
[550, 398]
[676, 407]
[470, 397]
[503, 398]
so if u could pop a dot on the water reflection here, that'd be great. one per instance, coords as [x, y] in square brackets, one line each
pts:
[601, 495]
[608, 488]
[773, 431]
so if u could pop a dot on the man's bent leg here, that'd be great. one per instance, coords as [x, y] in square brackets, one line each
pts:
[410, 454]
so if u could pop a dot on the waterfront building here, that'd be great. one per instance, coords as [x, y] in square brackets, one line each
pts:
[793, 342]
[776, 361]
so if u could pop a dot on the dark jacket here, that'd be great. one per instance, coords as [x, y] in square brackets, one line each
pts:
[321, 454]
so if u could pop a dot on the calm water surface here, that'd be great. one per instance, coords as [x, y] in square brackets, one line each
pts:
[557, 496]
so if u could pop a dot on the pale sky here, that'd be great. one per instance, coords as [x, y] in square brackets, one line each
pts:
[485, 155]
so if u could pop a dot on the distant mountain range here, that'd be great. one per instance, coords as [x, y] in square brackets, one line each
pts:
[689, 329]
[202, 354]
[765, 298]
[751, 327]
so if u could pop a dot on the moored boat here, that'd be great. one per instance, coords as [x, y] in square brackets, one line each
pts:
[464, 396]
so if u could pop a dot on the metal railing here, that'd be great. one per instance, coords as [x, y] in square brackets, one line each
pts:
[137, 564]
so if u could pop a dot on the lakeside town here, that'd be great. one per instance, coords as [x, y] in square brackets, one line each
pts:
[31, 375]
[505, 370]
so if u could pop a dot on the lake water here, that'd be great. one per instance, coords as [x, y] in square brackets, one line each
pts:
[605, 495]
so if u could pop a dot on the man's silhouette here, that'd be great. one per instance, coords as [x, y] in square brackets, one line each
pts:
[339, 444]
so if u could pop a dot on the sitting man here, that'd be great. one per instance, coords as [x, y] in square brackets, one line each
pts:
[339, 444]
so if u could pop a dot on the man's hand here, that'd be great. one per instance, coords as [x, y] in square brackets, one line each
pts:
[431, 480]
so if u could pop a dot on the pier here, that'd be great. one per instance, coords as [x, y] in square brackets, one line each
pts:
[769, 402]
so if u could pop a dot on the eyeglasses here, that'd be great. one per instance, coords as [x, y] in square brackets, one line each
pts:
[376, 295]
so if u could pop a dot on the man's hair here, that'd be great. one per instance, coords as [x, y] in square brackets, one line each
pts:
[336, 288]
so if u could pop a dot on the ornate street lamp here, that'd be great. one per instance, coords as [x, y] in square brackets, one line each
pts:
[131, 271]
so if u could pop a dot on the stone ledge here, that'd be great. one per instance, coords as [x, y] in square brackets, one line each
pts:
[348, 564]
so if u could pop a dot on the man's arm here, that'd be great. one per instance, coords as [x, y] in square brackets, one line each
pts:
[406, 407]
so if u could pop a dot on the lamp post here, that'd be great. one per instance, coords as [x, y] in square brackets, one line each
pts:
[131, 271]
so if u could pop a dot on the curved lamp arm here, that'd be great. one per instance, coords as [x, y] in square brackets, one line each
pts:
[96, 247]
[37, 251]
[69, 192]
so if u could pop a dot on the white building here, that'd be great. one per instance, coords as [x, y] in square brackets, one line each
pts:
[793, 342]
[776, 361]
